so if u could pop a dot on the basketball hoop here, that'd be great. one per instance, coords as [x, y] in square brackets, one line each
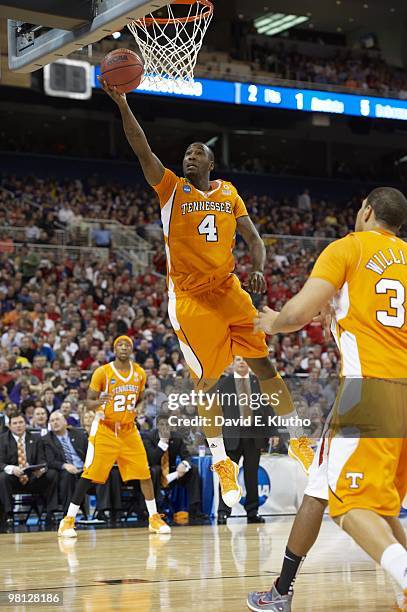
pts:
[170, 44]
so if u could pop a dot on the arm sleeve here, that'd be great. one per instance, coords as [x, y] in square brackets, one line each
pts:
[165, 188]
[98, 380]
[240, 209]
[336, 263]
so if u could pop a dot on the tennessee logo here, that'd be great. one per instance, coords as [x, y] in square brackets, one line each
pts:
[354, 478]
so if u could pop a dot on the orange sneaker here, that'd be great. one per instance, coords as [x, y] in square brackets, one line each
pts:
[228, 471]
[67, 528]
[300, 449]
[157, 525]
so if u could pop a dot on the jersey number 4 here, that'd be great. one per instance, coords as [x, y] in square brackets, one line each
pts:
[397, 303]
[124, 402]
[208, 228]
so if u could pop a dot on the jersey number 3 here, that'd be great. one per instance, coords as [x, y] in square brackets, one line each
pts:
[208, 228]
[397, 303]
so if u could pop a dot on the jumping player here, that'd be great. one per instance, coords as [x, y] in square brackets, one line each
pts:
[364, 479]
[113, 393]
[209, 311]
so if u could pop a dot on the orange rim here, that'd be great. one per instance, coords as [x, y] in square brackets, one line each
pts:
[207, 12]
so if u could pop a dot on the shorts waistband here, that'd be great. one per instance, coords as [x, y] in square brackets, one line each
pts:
[116, 426]
[208, 288]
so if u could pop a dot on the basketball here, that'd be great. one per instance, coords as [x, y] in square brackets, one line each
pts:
[122, 69]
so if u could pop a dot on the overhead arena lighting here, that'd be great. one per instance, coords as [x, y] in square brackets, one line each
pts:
[274, 23]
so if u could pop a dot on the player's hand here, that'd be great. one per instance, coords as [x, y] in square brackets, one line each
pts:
[257, 282]
[112, 92]
[104, 399]
[265, 320]
[325, 317]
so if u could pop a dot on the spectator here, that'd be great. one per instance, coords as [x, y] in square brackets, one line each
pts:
[71, 418]
[87, 420]
[102, 237]
[243, 441]
[18, 449]
[39, 420]
[50, 401]
[163, 446]
[304, 201]
[65, 452]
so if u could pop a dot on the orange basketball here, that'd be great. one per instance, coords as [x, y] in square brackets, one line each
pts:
[123, 69]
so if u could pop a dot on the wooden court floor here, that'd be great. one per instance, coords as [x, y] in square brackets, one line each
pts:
[209, 569]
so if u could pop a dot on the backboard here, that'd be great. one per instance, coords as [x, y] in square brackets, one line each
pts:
[52, 30]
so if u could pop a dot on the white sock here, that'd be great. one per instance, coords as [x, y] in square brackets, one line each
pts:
[151, 506]
[72, 510]
[295, 431]
[394, 561]
[217, 449]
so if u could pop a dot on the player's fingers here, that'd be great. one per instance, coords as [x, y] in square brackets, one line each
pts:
[266, 309]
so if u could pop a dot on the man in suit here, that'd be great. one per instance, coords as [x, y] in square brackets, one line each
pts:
[65, 452]
[18, 449]
[242, 440]
[163, 446]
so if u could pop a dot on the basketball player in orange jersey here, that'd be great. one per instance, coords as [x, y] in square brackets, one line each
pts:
[113, 394]
[363, 479]
[209, 311]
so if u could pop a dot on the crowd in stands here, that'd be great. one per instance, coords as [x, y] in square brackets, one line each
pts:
[43, 206]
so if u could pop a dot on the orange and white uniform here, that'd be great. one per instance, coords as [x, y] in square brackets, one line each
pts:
[114, 436]
[369, 270]
[209, 311]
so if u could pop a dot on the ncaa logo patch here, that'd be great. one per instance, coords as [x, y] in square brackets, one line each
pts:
[187, 188]
[264, 488]
[112, 381]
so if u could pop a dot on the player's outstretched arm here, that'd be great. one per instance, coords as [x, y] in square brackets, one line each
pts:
[313, 298]
[250, 235]
[152, 167]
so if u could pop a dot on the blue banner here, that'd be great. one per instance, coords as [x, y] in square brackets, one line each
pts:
[268, 96]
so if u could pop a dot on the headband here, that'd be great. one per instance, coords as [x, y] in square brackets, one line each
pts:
[129, 340]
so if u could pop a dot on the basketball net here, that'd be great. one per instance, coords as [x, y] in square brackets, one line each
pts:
[170, 44]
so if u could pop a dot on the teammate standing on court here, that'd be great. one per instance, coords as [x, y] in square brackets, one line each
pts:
[210, 312]
[114, 392]
[364, 479]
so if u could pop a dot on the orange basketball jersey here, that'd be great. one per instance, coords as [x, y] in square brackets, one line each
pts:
[199, 232]
[126, 390]
[369, 269]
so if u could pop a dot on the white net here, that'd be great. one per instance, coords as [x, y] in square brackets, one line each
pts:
[170, 44]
